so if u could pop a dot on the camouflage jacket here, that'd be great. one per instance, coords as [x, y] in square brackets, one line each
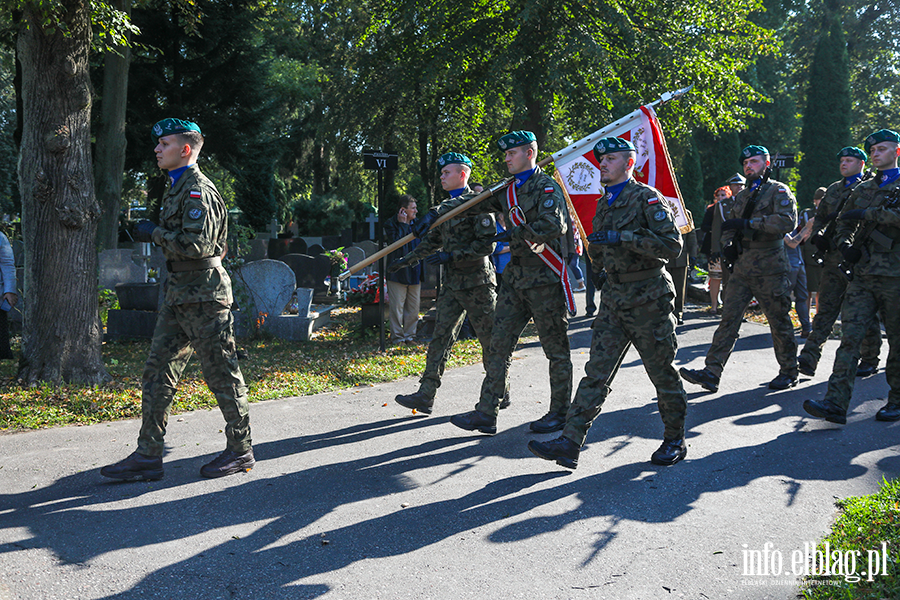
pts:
[468, 240]
[774, 215]
[834, 195]
[881, 250]
[193, 224]
[650, 239]
[541, 200]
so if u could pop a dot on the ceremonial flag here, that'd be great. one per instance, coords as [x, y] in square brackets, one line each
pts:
[578, 172]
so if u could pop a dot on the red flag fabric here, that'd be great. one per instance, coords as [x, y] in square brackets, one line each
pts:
[580, 175]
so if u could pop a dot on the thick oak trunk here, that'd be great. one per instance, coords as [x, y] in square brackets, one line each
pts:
[62, 333]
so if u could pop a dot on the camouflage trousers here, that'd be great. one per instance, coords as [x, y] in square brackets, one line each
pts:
[515, 307]
[867, 296]
[774, 295]
[832, 287]
[180, 329]
[452, 305]
[650, 328]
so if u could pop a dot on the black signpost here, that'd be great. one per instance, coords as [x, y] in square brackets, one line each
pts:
[782, 161]
[380, 161]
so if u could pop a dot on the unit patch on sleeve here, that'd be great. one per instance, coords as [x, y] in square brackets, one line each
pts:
[549, 202]
[486, 222]
[195, 213]
[659, 215]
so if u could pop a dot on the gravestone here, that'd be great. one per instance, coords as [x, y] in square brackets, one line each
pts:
[314, 250]
[117, 266]
[258, 249]
[302, 266]
[354, 255]
[368, 246]
[331, 242]
[279, 247]
[268, 283]
[321, 270]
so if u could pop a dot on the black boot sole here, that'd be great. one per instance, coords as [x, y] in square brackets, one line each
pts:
[487, 429]
[414, 406]
[691, 379]
[136, 476]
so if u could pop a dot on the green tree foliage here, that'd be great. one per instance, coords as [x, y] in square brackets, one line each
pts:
[10, 203]
[826, 121]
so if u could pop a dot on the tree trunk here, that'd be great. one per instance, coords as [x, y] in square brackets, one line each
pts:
[109, 155]
[62, 333]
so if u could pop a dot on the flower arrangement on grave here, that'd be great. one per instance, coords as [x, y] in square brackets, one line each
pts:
[366, 293]
[338, 261]
[152, 274]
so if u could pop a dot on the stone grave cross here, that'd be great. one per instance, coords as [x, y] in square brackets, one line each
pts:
[371, 220]
[273, 228]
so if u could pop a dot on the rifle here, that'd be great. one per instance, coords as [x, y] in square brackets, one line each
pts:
[734, 247]
[826, 232]
[847, 267]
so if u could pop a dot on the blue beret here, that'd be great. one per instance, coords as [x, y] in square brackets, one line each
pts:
[170, 126]
[854, 152]
[882, 135]
[753, 151]
[609, 145]
[452, 158]
[514, 139]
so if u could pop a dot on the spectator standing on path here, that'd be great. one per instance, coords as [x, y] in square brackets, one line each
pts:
[797, 275]
[196, 314]
[634, 236]
[9, 296]
[813, 269]
[529, 288]
[462, 246]
[868, 237]
[760, 270]
[575, 257]
[678, 269]
[712, 242]
[833, 284]
[404, 286]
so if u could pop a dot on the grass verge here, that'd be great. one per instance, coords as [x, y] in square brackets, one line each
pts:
[867, 524]
[340, 356]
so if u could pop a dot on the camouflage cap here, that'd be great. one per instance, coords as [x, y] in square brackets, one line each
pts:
[452, 158]
[170, 126]
[882, 135]
[736, 179]
[608, 145]
[753, 151]
[513, 139]
[854, 152]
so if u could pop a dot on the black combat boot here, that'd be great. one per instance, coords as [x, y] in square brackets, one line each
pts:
[136, 466]
[562, 450]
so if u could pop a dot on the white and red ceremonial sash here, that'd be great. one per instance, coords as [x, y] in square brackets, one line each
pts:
[548, 255]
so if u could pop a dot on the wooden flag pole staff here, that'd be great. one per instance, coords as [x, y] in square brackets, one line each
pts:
[449, 215]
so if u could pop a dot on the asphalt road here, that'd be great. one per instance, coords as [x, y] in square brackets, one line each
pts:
[354, 497]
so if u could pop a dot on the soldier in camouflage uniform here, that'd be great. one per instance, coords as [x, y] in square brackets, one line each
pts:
[634, 237]
[529, 288]
[462, 245]
[760, 270]
[196, 314]
[868, 237]
[833, 284]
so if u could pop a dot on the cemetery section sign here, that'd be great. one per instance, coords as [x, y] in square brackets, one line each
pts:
[379, 161]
